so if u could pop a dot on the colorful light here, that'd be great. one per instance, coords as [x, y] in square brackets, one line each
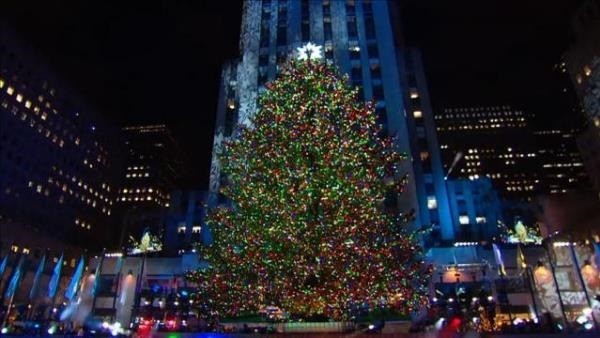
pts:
[308, 230]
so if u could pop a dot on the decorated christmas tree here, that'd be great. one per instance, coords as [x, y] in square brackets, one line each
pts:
[307, 229]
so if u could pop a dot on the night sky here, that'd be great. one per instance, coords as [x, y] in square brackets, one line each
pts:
[159, 61]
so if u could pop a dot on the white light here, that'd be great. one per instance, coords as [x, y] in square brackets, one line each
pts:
[450, 300]
[587, 311]
[105, 325]
[310, 51]
[4, 330]
[490, 298]
[475, 299]
[434, 299]
[588, 326]
[582, 319]
[371, 326]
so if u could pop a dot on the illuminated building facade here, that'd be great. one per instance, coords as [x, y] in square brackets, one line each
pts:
[58, 158]
[475, 208]
[362, 38]
[583, 65]
[153, 166]
[498, 142]
[185, 221]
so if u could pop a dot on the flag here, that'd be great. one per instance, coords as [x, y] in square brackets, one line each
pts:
[16, 278]
[36, 279]
[499, 261]
[97, 277]
[53, 285]
[74, 284]
[596, 255]
[119, 265]
[3, 266]
[521, 263]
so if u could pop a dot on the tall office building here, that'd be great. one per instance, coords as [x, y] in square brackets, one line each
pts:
[362, 38]
[498, 142]
[58, 158]
[153, 166]
[582, 61]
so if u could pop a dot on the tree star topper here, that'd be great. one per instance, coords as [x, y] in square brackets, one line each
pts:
[310, 51]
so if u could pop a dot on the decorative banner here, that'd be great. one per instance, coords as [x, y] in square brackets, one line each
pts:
[36, 279]
[3, 266]
[53, 285]
[15, 280]
[544, 284]
[74, 284]
[499, 261]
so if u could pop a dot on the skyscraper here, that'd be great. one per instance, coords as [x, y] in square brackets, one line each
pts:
[153, 166]
[362, 38]
[59, 159]
[583, 64]
[500, 143]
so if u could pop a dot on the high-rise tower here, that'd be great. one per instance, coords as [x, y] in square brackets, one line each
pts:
[361, 37]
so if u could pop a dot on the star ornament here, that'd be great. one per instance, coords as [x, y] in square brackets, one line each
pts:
[310, 51]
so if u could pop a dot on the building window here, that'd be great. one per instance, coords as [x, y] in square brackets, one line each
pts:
[181, 228]
[196, 229]
[424, 155]
[10, 90]
[1, 83]
[414, 94]
[431, 202]
[480, 220]
[463, 219]
[417, 114]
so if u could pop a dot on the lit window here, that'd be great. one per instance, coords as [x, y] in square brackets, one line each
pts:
[587, 70]
[414, 93]
[14, 248]
[44, 116]
[26, 251]
[231, 104]
[417, 114]
[19, 98]
[196, 229]
[463, 219]
[181, 228]
[10, 90]
[424, 155]
[431, 202]
[480, 219]
[1, 83]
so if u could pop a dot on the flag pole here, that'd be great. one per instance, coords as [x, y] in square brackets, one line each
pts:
[97, 281]
[14, 281]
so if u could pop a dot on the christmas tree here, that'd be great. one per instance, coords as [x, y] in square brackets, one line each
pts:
[307, 229]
